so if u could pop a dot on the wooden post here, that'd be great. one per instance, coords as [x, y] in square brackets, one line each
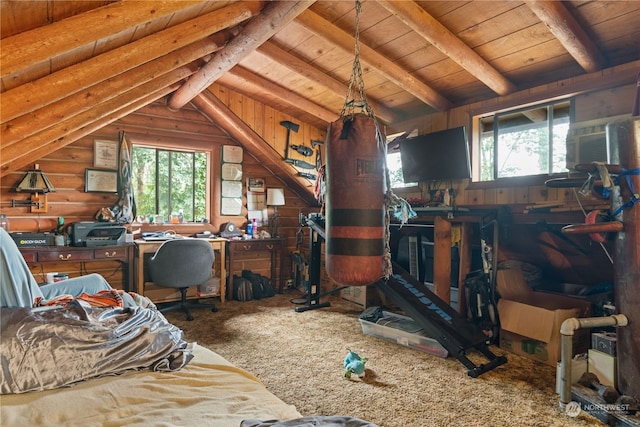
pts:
[627, 260]
[442, 259]
[465, 265]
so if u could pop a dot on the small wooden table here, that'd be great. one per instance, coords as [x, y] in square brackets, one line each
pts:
[159, 294]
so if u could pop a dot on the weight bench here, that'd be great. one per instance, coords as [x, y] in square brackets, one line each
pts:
[441, 322]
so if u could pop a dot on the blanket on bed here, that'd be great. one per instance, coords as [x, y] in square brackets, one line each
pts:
[59, 346]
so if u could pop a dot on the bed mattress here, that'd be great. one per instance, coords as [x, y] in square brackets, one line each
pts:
[209, 391]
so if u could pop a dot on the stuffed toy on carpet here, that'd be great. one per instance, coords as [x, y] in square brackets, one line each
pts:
[354, 364]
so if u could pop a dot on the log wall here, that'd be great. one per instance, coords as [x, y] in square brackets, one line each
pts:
[155, 124]
[188, 128]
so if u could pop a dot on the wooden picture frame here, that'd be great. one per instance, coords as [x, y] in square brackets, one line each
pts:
[105, 154]
[232, 154]
[100, 181]
[256, 185]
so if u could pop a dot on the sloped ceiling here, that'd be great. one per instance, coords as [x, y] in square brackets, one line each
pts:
[71, 67]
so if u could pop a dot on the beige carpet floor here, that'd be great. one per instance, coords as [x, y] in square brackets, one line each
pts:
[299, 357]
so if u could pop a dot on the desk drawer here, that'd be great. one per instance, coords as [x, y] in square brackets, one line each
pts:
[63, 255]
[110, 253]
[29, 256]
[253, 245]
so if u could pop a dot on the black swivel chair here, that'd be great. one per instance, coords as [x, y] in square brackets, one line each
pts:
[182, 263]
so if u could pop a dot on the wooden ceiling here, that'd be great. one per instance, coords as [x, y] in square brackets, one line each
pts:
[70, 67]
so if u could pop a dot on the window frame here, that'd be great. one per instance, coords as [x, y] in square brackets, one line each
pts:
[172, 146]
[522, 180]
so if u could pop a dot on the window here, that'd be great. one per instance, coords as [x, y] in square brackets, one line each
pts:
[522, 142]
[394, 162]
[167, 182]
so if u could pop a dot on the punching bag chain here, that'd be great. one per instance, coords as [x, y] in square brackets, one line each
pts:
[356, 97]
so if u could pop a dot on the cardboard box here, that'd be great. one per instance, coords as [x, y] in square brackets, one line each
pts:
[365, 296]
[530, 321]
[578, 367]
[603, 365]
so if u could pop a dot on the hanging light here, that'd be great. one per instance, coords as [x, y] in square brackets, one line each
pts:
[35, 182]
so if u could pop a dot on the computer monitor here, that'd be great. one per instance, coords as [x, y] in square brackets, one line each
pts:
[442, 155]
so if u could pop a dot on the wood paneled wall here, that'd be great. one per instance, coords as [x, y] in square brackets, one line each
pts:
[188, 128]
[157, 125]
[520, 193]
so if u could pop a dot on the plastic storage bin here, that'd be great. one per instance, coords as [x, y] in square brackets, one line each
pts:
[398, 336]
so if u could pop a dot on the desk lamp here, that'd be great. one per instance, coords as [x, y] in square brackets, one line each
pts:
[275, 198]
[36, 183]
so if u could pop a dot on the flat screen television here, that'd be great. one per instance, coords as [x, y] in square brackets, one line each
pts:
[436, 156]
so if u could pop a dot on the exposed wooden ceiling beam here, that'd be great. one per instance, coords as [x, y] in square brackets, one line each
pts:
[93, 126]
[416, 18]
[67, 131]
[314, 74]
[323, 28]
[38, 93]
[222, 116]
[620, 75]
[43, 43]
[31, 123]
[564, 26]
[239, 78]
[272, 18]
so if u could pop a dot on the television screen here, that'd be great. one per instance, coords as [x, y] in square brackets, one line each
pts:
[436, 156]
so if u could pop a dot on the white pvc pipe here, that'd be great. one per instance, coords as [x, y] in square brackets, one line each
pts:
[568, 327]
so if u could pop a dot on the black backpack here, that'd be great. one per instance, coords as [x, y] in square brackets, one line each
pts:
[260, 284]
[242, 289]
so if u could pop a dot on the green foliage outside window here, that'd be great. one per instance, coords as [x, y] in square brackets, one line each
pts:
[529, 142]
[166, 182]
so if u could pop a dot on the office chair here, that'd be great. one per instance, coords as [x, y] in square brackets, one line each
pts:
[181, 263]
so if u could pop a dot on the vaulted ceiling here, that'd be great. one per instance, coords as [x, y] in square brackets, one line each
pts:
[68, 68]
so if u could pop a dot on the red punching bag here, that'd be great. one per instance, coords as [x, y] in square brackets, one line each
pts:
[354, 204]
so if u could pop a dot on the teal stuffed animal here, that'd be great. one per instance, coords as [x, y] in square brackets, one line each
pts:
[353, 363]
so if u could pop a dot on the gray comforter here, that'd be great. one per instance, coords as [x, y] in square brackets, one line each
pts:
[45, 349]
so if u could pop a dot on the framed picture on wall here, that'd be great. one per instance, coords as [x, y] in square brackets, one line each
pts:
[231, 171]
[231, 154]
[100, 181]
[256, 185]
[231, 206]
[105, 154]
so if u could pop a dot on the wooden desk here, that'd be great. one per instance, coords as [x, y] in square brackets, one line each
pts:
[160, 294]
[83, 254]
[274, 246]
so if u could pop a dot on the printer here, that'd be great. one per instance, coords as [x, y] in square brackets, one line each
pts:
[95, 233]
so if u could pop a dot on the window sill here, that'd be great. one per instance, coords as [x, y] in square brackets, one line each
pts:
[514, 181]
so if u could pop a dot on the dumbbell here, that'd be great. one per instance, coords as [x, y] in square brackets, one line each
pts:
[608, 393]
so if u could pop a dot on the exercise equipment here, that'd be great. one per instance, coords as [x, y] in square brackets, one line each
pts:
[608, 393]
[441, 322]
[355, 209]
[355, 214]
[315, 222]
[311, 301]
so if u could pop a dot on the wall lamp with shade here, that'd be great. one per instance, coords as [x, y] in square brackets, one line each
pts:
[35, 182]
[275, 198]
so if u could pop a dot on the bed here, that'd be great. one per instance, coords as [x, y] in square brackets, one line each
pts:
[80, 353]
[163, 381]
[209, 391]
